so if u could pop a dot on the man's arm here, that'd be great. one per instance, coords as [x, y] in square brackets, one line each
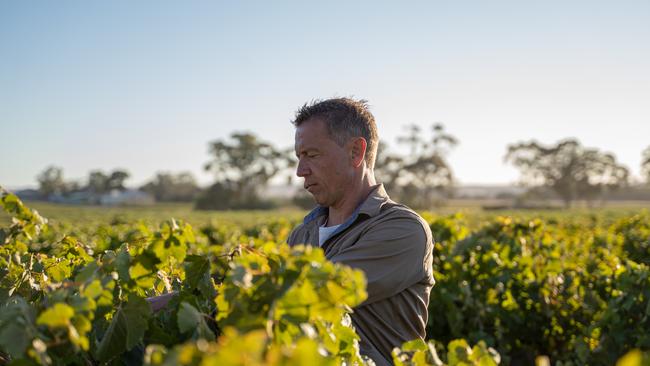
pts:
[158, 303]
[393, 254]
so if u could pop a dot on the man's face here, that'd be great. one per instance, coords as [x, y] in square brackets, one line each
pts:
[324, 165]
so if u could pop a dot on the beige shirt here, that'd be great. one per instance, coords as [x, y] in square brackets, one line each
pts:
[392, 245]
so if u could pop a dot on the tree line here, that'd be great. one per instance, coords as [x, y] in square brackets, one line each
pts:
[164, 187]
[243, 165]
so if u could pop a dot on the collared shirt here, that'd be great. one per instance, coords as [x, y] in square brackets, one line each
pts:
[392, 245]
[324, 233]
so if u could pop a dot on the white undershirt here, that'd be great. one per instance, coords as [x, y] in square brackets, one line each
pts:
[324, 233]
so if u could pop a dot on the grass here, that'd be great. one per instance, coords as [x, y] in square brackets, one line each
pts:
[77, 215]
[85, 215]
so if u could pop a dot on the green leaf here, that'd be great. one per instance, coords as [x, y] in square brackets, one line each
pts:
[634, 358]
[136, 313]
[158, 333]
[113, 343]
[11, 203]
[197, 275]
[59, 271]
[127, 328]
[87, 272]
[14, 339]
[122, 263]
[195, 267]
[57, 316]
[171, 247]
[188, 317]
[142, 276]
[16, 325]
[415, 345]
[484, 356]
[93, 290]
[458, 352]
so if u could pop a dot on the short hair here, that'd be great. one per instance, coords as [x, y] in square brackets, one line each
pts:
[345, 118]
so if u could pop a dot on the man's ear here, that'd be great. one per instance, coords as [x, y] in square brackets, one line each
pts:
[358, 151]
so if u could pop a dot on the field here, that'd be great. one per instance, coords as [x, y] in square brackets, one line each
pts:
[90, 215]
[518, 287]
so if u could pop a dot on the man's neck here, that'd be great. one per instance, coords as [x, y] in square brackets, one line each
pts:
[343, 210]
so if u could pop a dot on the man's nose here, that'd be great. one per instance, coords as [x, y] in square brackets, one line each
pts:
[302, 169]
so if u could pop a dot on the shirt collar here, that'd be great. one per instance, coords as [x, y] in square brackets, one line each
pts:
[371, 206]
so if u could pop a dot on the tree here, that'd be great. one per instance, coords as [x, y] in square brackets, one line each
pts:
[99, 182]
[645, 165]
[168, 187]
[413, 138]
[116, 180]
[442, 142]
[241, 168]
[424, 177]
[570, 170]
[50, 181]
[388, 167]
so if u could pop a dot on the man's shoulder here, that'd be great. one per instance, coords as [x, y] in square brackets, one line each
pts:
[397, 222]
[296, 234]
[397, 211]
[304, 233]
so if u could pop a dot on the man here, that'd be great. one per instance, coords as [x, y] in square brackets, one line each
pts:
[357, 224]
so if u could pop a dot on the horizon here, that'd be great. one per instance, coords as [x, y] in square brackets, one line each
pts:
[145, 87]
[297, 185]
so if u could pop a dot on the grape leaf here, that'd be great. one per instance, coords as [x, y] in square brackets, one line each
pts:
[197, 275]
[57, 316]
[127, 328]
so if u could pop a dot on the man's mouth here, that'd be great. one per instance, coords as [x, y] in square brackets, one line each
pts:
[307, 186]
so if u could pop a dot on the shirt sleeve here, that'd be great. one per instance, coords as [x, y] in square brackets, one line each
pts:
[292, 239]
[392, 255]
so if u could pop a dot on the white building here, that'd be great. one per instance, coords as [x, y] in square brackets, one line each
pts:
[129, 197]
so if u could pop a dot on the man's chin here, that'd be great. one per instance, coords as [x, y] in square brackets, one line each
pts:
[319, 200]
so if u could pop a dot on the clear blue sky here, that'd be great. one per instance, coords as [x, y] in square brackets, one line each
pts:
[146, 85]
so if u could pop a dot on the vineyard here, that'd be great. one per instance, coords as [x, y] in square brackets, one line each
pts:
[553, 288]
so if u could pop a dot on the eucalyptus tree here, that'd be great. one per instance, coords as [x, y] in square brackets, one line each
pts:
[242, 166]
[572, 171]
[423, 177]
[169, 187]
[645, 165]
[100, 182]
[50, 181]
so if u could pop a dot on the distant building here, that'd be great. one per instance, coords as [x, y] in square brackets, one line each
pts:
[488, 191]
[129, 197]
[29, 195]
[74, 198]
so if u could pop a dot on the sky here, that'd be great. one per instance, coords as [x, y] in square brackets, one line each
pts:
[145, 86]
